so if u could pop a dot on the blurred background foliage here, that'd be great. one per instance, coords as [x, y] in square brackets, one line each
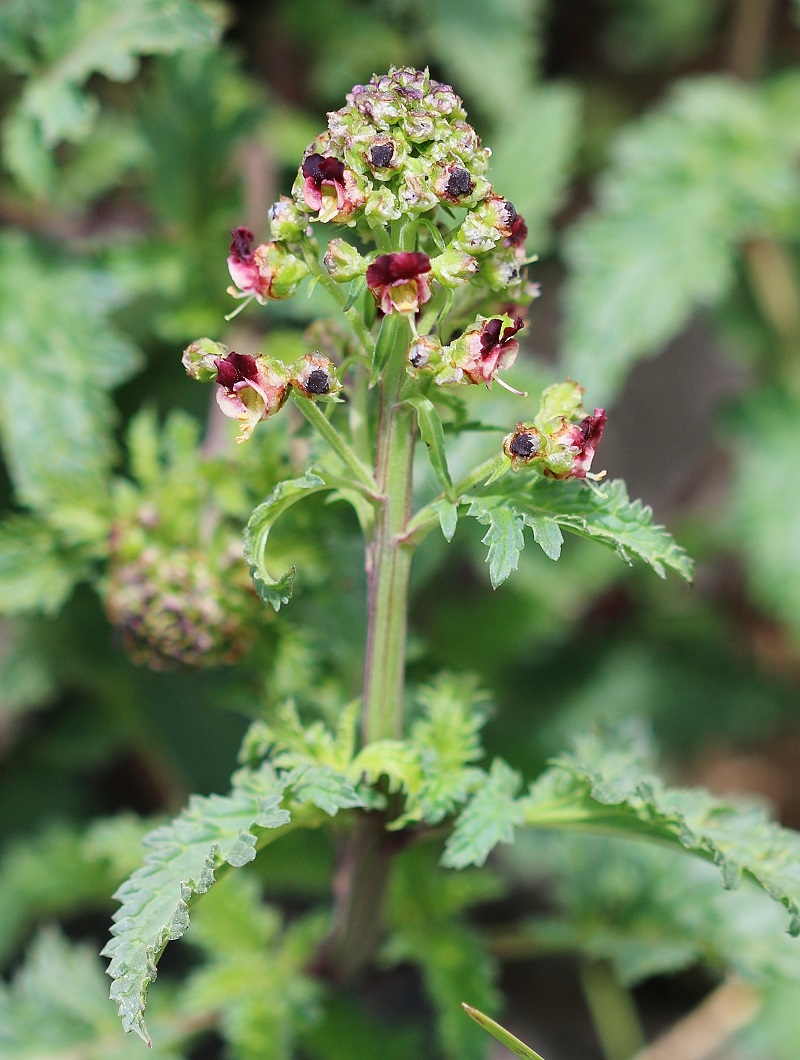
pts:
[654, 151]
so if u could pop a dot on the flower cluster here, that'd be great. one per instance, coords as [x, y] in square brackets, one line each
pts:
[562, 439]
[476, 356]
[251, 389]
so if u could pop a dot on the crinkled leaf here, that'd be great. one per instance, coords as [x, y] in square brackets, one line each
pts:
[685, 188]
[604, 514]
[489, 818]
[432, 432]
[447, 742]
[394, 759]
[59, 357]
[37, 573]
[60, 46]
[182, 861]
[55, 1006]
[504, 536]
[324, 788]
[271, 590]
[607, 784]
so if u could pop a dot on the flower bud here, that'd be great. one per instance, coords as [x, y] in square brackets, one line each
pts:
[315, 376]
[452, 268]
[286, 222]
[382, 205]
[425, 353]
[343, 261]
[268, 272]
[200, 359]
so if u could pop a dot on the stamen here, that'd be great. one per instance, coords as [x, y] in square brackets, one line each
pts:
[510, 389]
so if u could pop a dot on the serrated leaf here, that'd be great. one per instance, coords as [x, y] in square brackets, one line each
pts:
[271, 590]
[323, 787]
[604, 514]
[489, 818]
[182, 862]
[56, 1006]
[606, 784]
[432, 432]
[685, 188]
[394, 759]
[63, 45]
[547, 534]
[59, 356]
[504, 536]
[36, 572]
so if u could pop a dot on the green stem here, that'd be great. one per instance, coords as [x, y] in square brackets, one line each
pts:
[339, 295]
[427, 518]
[388, 554]
[614, 1014]
[323, 426]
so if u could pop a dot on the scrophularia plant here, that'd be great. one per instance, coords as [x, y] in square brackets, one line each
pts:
[392, 212]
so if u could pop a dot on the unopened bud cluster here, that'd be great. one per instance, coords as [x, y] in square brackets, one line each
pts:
[173, 609]
[251, 389]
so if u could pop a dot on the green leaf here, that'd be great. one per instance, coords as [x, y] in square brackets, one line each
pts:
[432, 432]
[686, 186]
[182, 862]
[517, 1047]
[56, 1007]
[764, 518]
[606, 784]
[323, 787]
[448, 518]
[489, 818]
[62, 45]
[546, 120]
[394, 759]
[447, 742]
[36, 572]
[604, 514]
[275, 591]
[504, 536]
[59, 357]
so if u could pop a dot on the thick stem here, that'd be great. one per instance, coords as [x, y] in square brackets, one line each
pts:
[613, 1012]
[388, 556]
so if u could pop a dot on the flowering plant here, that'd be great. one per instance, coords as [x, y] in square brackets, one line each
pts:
[392, 213]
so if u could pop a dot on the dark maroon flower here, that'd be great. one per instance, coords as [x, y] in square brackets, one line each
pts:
[250, 389]
[268, 271]
[489, 345]
[583, 439]
[399, 282]
[330, 188]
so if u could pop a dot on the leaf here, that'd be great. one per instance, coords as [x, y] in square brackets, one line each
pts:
[764, 518]
[448, 518]
[323, 787]
[432, 432]
[447, 742]
[605, 515]
[36, 572]
[685, 187]
[63, 45]
[504, 536]
[489, 818]
[59, 356]
[605, 783]
[183, 859]
[535, 176]
[517, 1047]
[275, 591]
[393, 759]
[56, 1007]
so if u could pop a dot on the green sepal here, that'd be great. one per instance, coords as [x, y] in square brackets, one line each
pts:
[274, 591]
[432, 432]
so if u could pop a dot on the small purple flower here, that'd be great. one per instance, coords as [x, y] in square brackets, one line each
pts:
[250, 389]
[583, 438]
[489, 348]
[330, 188]
[400, 282]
